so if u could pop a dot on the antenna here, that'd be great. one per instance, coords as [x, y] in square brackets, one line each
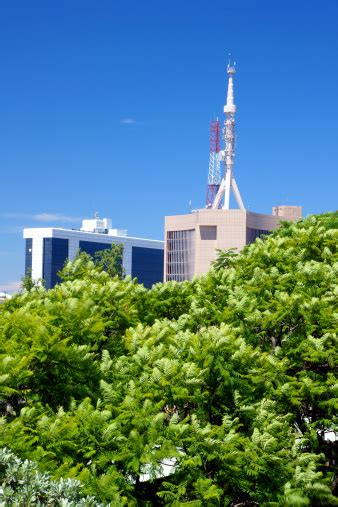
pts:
[228, 181]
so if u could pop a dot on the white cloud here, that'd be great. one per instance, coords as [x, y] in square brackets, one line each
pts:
[54, 217]
[42, 217]
[128, 121]
[14, 215]
[10, 287]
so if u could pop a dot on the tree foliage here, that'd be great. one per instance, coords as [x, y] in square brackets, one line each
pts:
[27, 283]
[109, 260]
[23, 484]
[218, 391]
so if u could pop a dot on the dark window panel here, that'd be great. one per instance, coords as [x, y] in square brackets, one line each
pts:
[252, 234]
[91, 247]
[208, 232]
[28, 255]
[55, 253]
[147, 265]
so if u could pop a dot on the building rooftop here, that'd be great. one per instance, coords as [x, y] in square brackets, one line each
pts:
[94, 226]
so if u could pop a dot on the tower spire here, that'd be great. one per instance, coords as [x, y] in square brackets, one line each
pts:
[230, 106]
[228, 180]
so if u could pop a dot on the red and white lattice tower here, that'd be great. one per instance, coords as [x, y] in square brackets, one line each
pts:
[214, 175]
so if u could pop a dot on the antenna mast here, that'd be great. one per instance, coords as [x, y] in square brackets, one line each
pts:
[214, 175]
[228, 180]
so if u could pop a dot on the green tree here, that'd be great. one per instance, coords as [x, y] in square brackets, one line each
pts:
[225, 259]
[111, 260]
[27, 283]
[85, 266]
[81, 267]
[230, 378]
[167, 300]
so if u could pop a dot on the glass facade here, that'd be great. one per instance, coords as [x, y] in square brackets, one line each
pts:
[28, 256]
[147, 265]
[252, 234]
[91, 247]
[180, 255]
[55, 253]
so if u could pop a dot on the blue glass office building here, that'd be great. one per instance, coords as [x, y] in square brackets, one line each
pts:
[47, 249]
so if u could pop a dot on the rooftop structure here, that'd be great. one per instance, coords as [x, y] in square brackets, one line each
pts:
[101, 226]
[48, 248]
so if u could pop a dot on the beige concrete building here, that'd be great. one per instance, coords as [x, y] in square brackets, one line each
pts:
[192, 241]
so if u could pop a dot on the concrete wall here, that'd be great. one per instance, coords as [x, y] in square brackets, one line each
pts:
[288, 212]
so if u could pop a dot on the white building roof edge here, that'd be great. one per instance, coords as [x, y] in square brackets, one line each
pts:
[50, 232]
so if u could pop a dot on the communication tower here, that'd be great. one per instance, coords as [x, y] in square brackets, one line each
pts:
[214, 175]
[227, 155]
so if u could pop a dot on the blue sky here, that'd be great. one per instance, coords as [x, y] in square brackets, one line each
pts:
[105, 106]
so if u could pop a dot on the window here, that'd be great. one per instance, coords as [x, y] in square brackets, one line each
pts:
[28, 256]
[208, 232]
[180, 255]
[55, 252]
[147, 265]
[252, 234]
[91, 247]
